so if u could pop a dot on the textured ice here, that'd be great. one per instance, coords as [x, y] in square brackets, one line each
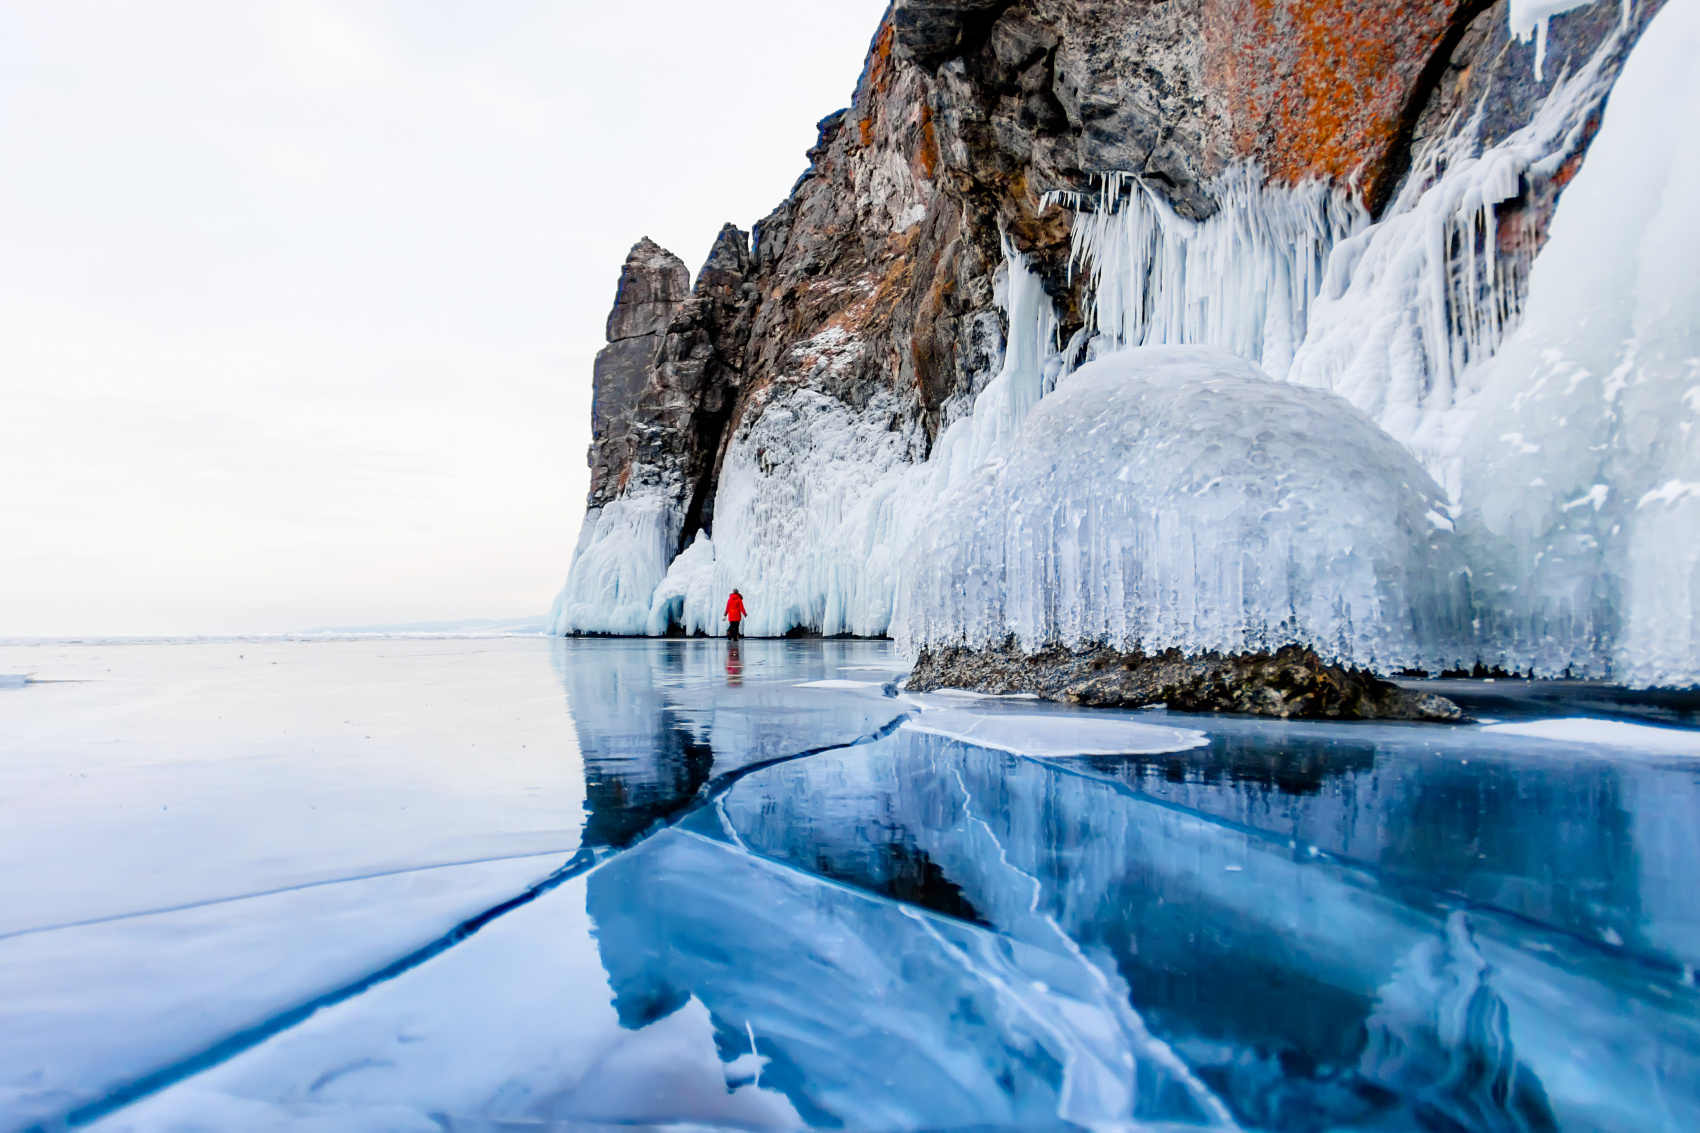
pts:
[1579, 514]
[686, 597]
[1606, 733]
[1243, 279]
[1411, 304]
[1478, 1016]
[1297, 924]
[623, 554]
[1175, 496]
[1052, 735]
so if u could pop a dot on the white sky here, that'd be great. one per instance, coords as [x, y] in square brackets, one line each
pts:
[298, 299]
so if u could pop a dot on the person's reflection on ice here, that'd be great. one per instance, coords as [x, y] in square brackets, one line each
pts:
[734, 665]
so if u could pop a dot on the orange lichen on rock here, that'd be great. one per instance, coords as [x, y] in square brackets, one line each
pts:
[1324, 88]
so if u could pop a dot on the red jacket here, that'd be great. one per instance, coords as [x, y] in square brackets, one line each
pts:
[734, 609]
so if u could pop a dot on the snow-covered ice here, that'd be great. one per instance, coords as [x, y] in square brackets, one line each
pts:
[1616, 735]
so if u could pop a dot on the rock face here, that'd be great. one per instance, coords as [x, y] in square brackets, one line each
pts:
[870, 310]
[1290, 683]
[664, 384]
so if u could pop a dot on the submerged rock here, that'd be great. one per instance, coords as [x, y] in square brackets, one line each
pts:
[1290, 683]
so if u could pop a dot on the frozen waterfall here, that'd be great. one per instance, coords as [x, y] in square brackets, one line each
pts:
[1581, 471]
[1411, 306]
[1243, 279]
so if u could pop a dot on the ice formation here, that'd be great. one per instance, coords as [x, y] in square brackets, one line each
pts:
[1529, 18]
[1175, 496]
[1409, 305]
[686, 597]
[1581, 481]
[1243, 279]
[624, 551]
[1552, 403]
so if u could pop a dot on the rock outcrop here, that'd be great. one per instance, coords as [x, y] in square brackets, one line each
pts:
[1289, 683]
[665, 383]
[869, 312]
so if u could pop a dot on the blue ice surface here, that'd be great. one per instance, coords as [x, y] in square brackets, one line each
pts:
[787, 910]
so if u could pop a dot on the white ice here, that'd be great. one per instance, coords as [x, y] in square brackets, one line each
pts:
[623, 553]
[1617, 734]
[1411, 304]
[1529, 18]
[1175, 496]
[1051, 735]
[1243, 279]
[844, 685]
[1582, 527]
[686, 597]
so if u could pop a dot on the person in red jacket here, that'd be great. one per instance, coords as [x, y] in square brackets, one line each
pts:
[734, 615]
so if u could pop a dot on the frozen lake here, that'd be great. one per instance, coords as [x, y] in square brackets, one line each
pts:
[520, 884]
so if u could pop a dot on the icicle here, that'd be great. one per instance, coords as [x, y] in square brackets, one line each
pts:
[1530, 18]
[1411, 307]
[1243, 279]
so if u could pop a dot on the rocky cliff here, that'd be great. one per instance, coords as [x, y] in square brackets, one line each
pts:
[776, 404]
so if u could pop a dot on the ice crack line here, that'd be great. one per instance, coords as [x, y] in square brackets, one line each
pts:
[586, 859]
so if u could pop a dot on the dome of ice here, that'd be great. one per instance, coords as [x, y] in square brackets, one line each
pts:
[1176, 496]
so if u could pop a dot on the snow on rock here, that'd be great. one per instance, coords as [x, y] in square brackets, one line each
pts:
[1580, 465]
[1056, 735]
[1176, 497]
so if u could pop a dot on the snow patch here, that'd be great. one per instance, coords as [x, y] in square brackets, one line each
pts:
[1046, 736]
[1605, 733]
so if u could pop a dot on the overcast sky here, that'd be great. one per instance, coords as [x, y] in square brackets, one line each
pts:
[298, 299]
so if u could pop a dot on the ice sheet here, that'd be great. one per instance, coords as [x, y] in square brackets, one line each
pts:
[194, 837]
[845, 685]
[635, 995]
[103, 1004]
[1056, 735]
[181, 774]
[1288, 982]
[1607, 733]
